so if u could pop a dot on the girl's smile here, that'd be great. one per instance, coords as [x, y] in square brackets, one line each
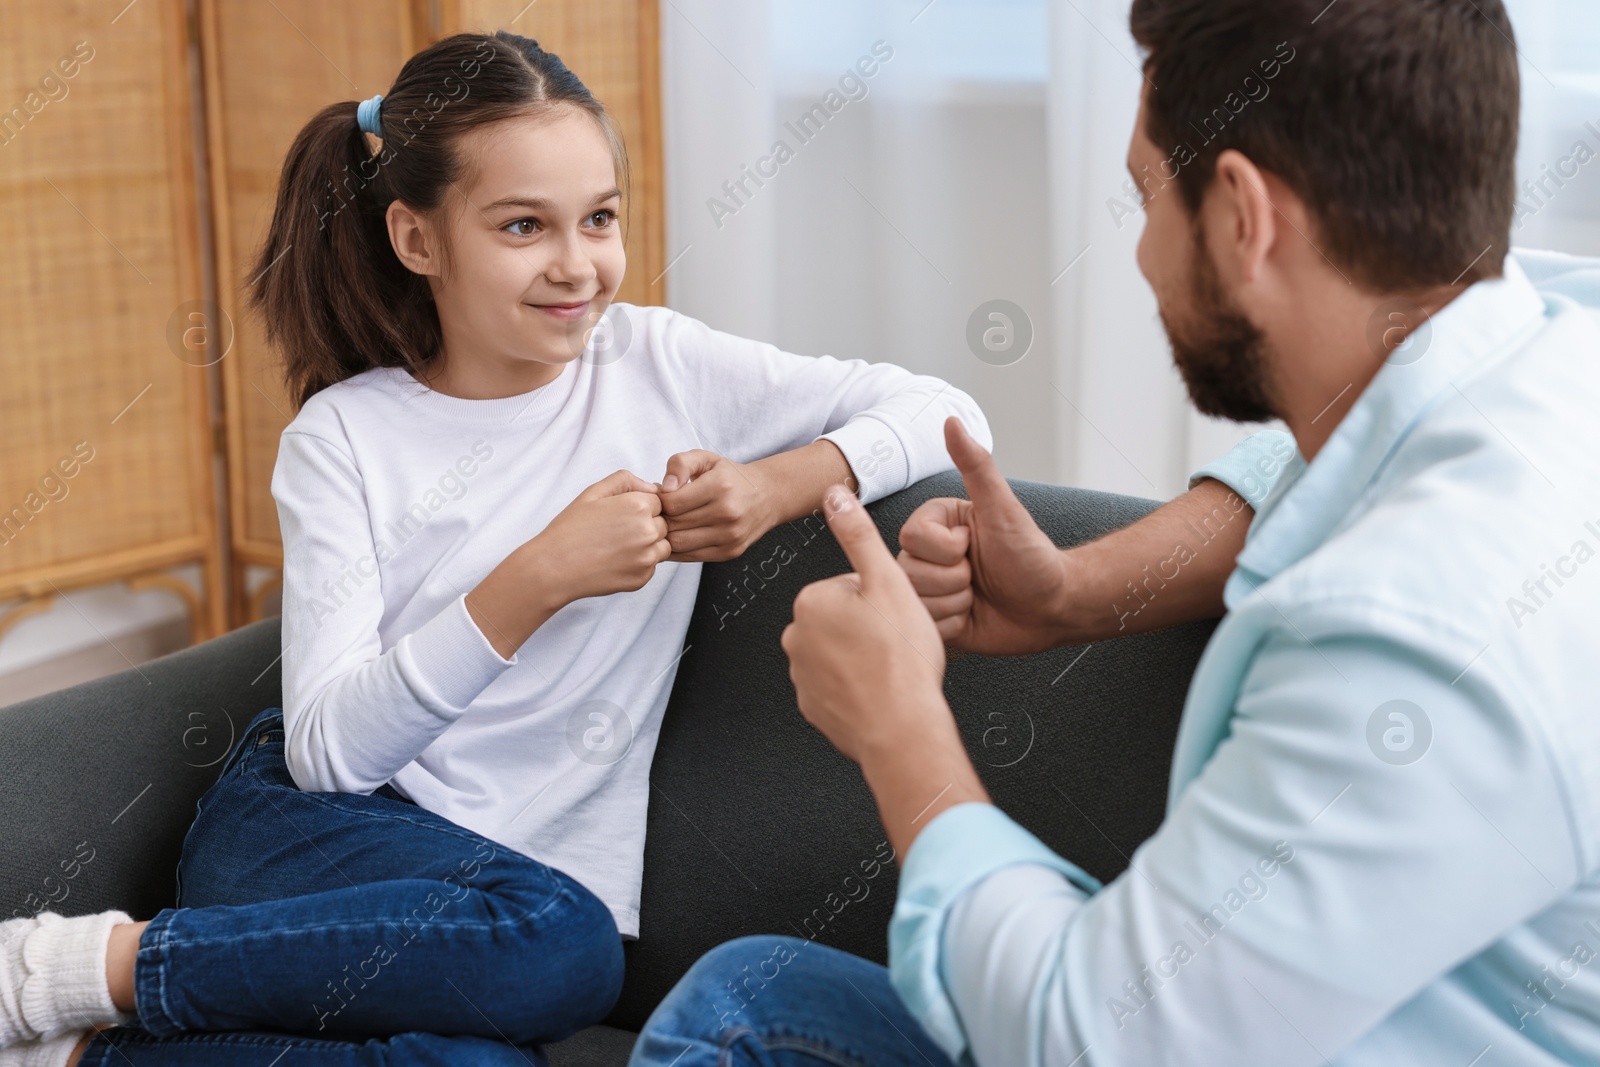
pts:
[564, 311]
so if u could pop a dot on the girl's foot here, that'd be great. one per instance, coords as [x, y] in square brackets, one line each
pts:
[53, 981]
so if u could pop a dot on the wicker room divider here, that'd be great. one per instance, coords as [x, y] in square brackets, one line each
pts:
[138, 395]
[104, 425]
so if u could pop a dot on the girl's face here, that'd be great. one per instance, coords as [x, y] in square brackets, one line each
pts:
[534, 245]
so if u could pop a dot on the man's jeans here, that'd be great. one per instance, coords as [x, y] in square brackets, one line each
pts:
[784, 1002]
[338, 928]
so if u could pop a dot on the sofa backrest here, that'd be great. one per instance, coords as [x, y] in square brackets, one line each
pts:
[756, 824]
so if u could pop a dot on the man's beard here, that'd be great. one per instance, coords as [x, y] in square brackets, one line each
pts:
[1220, 353]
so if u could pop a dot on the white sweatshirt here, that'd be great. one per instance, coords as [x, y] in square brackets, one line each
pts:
[396, 500]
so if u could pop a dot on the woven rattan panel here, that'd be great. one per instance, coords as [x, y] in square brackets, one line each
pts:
[103, 424]
[269, 68]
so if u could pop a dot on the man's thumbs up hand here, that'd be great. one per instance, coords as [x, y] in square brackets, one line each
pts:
[863, 545]
[991, 579]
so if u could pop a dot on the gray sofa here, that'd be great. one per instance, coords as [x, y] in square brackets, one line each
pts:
[756, 824]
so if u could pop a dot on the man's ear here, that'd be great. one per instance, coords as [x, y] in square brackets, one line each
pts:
[1242, 221]
[414, 240]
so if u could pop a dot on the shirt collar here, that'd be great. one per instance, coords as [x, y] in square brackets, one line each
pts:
[1479, 323]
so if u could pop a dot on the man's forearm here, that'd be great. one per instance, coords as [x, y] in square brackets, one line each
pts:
[925, 772]
[1165, 569]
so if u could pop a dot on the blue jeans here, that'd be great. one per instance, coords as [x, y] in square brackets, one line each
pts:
[784, 1002]
[342, 929]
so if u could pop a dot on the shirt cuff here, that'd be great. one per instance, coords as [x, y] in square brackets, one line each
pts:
[961, 847]
[876, 455]
[1253, 466]
[448, 661]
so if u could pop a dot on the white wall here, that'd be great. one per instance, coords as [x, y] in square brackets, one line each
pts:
[1560, 43]
[976, 168]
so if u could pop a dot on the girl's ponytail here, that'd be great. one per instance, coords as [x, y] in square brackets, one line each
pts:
[335, 298]
[326, 279]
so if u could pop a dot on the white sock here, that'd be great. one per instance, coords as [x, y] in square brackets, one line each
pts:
[53, 976]
[51, 1053]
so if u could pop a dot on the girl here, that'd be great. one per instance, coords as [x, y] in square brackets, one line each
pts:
[484, 599]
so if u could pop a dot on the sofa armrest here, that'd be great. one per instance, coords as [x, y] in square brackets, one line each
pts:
[99, 781]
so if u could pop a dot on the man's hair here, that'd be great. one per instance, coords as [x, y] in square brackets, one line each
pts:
[1394, 120]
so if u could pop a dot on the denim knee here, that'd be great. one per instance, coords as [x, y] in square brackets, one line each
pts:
[599, 953]
[564, 972]
[728, 981]
[744, 955]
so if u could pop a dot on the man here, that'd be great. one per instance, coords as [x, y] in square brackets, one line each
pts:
[1382, 843]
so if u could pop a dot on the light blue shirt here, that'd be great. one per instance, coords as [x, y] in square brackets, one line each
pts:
[1382, 840]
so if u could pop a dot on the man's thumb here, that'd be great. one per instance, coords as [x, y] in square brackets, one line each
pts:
[986, 486]
[857, 534]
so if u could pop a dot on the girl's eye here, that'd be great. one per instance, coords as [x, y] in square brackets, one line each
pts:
[602, 218]
[523, 227]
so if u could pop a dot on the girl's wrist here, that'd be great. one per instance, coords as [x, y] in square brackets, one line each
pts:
[793, 483]
[541, 577]
[513, 600]
[773, 510]
[766, 507]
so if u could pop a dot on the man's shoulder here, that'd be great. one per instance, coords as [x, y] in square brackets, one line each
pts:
[1487, 513]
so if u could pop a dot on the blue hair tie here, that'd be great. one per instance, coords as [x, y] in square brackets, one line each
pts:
[367, 116]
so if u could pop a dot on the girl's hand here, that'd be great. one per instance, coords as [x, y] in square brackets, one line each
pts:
[715, 508]
[608, 540]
